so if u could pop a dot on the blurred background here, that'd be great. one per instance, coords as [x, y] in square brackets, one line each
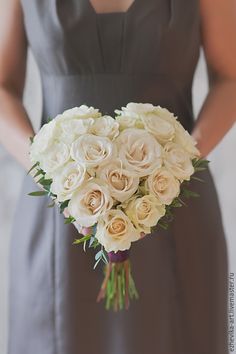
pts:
[223, 167]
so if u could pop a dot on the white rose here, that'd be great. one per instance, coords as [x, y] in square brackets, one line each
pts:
[54, 157]
[67, 179]
[81, 112]
[105, 126]
[71, 129]
[177, 161]
[145, 212]
[92, 150]
[122, 183]
[127, 122]
[161, 123]
[139, 151]
[183, 138]
[43, 140]
[165, 114]
[163, 185]
[135, 109]
[131, 115]
[89, 202]
[115, 231]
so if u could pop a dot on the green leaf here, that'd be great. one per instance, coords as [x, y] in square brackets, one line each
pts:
[51, 205]
[200, 162]
[38, 173]
[45, 182]
[195, 161]
[84, 246]
[64, 205]
[204, 162]
[95, 243]
[198, 169]
[187, 193]
[176, 203]
[183, 203]
[163, 225]
[38, 193]
[98, 255]
[104, 258]
[92, 239]
[31, 169]
[96, 263]
[47, 188]
[198, 179]
[82, 239]
[69, 220]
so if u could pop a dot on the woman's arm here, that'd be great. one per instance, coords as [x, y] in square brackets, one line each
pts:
[15, 127]
[218, 113]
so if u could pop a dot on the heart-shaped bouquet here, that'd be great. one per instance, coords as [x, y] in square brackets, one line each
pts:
[115, 178]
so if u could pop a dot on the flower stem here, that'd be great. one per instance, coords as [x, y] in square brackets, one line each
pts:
[118, 286]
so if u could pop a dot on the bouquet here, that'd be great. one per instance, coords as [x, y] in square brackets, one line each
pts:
[115, 178]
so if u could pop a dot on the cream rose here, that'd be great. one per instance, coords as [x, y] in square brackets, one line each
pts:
[161, 124]
[129, 122]
[131, 115]
[145, 212]
[135, 109]
[122, 183]
[81, 112]
[115, 231]
[165, 114]
[139, 151]
[43, 140]
[163, 185]
[183, 138]
[67, 180]
[92, 150]
[105, 126]
[54, 157]
[90, 202]
[177, 161]
[71, 129]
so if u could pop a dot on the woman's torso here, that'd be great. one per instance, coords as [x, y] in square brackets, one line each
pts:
[147, 54]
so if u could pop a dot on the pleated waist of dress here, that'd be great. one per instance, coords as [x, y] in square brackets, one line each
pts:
[108, 92]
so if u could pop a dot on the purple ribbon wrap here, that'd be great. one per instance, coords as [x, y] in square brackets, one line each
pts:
[119, 256]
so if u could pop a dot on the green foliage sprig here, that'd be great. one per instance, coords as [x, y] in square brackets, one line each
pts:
[200, 164]
[43, 181]
[101, 255]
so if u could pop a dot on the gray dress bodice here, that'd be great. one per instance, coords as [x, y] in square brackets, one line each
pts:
[147, 54]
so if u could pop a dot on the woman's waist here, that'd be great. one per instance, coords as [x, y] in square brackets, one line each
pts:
[108, 92]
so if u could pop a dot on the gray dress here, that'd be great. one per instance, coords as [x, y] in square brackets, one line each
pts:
[148, 54]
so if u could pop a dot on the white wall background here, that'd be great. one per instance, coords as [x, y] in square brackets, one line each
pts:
[223, 166]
